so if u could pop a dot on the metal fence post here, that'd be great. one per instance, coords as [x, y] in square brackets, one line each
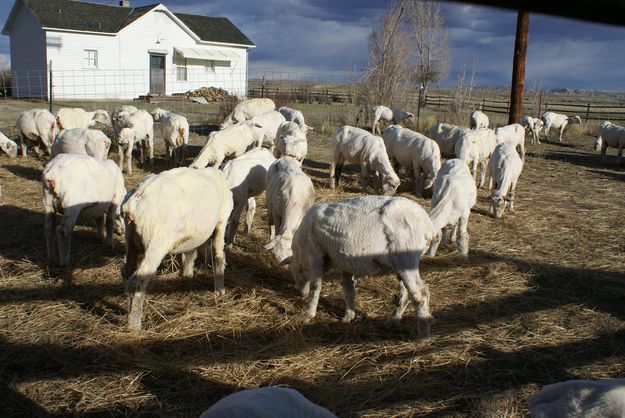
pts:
[50, 89]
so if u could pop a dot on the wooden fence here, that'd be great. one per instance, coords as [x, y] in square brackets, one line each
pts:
[441, 103]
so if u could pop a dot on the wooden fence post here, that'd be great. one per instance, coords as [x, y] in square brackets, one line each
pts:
[540, 103]
[587, 111]
[262, 88]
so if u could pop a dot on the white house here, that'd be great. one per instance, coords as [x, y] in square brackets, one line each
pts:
[118, 52]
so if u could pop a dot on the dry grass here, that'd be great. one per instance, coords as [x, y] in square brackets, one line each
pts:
[541, 300]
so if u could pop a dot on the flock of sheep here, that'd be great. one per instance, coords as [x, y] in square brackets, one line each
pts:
[186, 209]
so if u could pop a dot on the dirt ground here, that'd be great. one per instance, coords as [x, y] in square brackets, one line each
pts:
[540, 300]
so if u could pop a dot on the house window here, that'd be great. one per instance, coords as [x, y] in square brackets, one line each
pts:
[90, 58]
[181, 73]
[209, 65]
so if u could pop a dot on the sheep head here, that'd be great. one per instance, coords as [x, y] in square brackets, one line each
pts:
[101, 117]
[498, 203]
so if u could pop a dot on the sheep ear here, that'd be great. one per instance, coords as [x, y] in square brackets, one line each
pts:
[286, 261]
[257, 125]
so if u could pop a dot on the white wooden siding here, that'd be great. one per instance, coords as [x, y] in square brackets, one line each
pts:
[28, 56]
[123, 61]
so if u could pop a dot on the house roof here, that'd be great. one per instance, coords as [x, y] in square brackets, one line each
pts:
[82, 16]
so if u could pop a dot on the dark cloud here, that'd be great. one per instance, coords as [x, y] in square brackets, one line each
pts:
[326, 37]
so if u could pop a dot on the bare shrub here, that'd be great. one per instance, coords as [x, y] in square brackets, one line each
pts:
[463, 102]
[280, 98]
[5, 82]
[388, 77]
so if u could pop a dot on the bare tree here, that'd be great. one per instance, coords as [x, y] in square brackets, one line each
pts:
[429, 35]
[388, 76]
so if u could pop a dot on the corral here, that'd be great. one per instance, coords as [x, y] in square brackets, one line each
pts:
[540, 300]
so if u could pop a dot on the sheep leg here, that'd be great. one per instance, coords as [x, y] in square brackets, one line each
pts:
[444, 237]
[511, 195]
[561, 132]
[401, 302]
[219, 265]
[349, 292]
[249, 215]
[111, 216]
[420, 296]
[314, 274]
[463, 241]
[101, 221]
[130, 262]
[335, 170]
[547, 127]
[64, 233]
[233, 222]
[188, 261]
[170, 153]
[418, 180]
[435, 243]
[454, 233]
[183, 154]
[50, 232]
[364, 181]
[474, 169]
[23, 146]
[483, 165]
[129, 159]
[138, 282]
[120, 153]
[150, 145]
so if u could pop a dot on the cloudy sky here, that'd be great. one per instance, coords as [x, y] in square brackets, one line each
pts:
[326, 37]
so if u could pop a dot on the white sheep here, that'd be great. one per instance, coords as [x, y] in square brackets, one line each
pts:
[558, 121]
[411, 149]
[610, 135]
[230, 142]
[394, 116]
[294, 115]
[36, 126]
[9, 147]
[579, 398]
[84, 141]
[270, 122]
[71, 118]
[504, 167]
[453, 195]
[176, 211]
[79, 187]
[290, 192]
[358, 146]
[534, 126]
[247, 109]
[246, 179]
[478, 120]
[475, 147]
[362, 236]
[514, 135]
[266, 402]
[175, 130]
[446, 136]
[115, 118]
[291, 140]
[136, 127]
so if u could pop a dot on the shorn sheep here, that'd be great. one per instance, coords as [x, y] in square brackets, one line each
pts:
[266, 402]
[175, 130]
[411, 149]
[446, 136]
[136, 127]
[290, 192]
[247, 109]
[579, 398]
[176, 211]
[34, 127]
[478, 120]
[610, 135]
[558, 121]
[115, 118]
[475, 148]
[292, 141]
[246, 179]
[294, 115]
[504, 167]
[84, 141]
[453, 195]
[230, 142]
[71, 118]
[79, 187]
[394, 116]
[7, 146]
[358, 146]
[270, 122]
[514, 135]
[534, 126]
[363, 236]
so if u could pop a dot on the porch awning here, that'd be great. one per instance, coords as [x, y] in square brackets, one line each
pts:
[206, 54]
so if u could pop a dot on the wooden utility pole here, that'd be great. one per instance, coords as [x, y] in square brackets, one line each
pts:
[518, 66]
